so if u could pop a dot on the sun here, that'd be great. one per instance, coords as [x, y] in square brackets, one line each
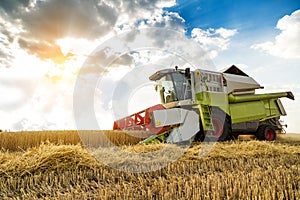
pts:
[75, 46]
[64, 62]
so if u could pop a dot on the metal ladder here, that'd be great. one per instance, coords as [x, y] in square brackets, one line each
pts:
[205, 113]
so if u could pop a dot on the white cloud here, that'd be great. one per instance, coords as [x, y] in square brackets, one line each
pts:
[213, 40]
[287, 43]
[31, 35]
[162, 4]
[226, 33]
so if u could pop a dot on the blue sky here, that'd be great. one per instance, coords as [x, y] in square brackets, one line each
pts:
[248, 16]
[44, 43]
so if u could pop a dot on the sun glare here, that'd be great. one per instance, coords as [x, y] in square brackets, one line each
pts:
[79, 49]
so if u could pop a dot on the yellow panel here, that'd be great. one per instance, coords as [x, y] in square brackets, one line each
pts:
[247, 111]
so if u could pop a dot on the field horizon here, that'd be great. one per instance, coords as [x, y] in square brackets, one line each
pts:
[93, 138]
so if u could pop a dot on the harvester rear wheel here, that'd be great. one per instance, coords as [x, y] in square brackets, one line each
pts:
[220, 124]
[266, 132]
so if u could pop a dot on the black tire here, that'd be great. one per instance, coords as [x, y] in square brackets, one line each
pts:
[221, 125]
[266, 132]
[200, 135]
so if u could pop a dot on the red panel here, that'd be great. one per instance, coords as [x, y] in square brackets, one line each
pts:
[140, 121]
[116, 127]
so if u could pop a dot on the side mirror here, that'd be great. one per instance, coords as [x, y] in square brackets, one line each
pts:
[187, 73]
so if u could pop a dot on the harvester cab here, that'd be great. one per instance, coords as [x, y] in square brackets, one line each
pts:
[206, 104]
[173, 85]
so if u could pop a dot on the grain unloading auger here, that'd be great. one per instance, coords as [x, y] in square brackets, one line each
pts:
[205, 104]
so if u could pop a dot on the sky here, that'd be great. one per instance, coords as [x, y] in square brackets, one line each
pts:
[82, 63]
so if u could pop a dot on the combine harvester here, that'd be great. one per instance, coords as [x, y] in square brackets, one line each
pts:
[206, 105]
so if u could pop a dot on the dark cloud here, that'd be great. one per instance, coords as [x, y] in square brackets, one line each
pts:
[5, 53]
[45, 50]
[9, 36]
[112, 58]
[108, 13]
[124, 59]
[12, 6]
[6, 40]
[135, 6]
[46, 21]
[101, 61]
[5, 59]
[41, 23]
[56, 19]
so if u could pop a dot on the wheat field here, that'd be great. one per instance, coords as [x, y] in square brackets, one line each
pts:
[15, 141]
[65, 169]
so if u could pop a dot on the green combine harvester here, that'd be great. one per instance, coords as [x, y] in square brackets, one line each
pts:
[206, 105]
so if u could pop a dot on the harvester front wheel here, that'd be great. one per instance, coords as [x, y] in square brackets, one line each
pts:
[220, 124]
[266, 132]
